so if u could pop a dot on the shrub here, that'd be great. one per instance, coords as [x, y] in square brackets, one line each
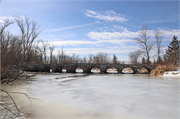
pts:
[159, 70]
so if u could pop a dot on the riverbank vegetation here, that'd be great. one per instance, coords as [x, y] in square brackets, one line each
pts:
[18, 52]
[160, 69]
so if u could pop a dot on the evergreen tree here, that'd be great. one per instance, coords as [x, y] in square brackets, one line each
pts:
[154, 61]
[159, 59]
[172, 53]
[115, 59]
[143, 61]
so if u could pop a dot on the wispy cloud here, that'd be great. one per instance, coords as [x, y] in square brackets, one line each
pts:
[112, 35]
[86, 51]
[10, 18]
[107, 16]
[170, 33]
[71, 42]
[126, 35]
[87, 42]
[5, 17]
[1, 21]
[70, 27]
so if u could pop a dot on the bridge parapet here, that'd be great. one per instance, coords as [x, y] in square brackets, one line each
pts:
[71, 67]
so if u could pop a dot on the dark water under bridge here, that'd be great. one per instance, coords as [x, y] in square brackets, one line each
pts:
[71, 67]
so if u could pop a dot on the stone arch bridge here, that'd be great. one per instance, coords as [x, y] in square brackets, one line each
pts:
[71, 67]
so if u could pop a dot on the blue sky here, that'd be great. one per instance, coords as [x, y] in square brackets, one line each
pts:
[85, 27]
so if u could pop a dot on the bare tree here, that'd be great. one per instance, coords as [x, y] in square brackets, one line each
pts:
[29, 32]
[37, 53]
[115, 59]
[17, 51]
[61, 55]
[90, 59]
[51, 48]
[159, 37]
[5, 38]
[134, 56]
[144, 41]
[102, 58]
[5, 24]
[44, 50]
[55, 59]
[75, 58]
[84, 60]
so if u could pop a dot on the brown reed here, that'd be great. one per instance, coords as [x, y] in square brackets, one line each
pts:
[160, 69]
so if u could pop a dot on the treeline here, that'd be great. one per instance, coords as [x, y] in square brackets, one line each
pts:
[20, 51]
[17, 52]
[61, 57]
[147, 43]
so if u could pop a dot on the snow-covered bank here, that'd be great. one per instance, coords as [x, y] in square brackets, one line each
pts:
[172, 73]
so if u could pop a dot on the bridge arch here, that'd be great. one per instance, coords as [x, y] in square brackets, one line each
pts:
[57, 69]
[128, 70]
[79, 69]
[95, 69]
[63, 69]
[72, 68]
[143, 71]
[87, 68]
[111, 69]
[146, 67]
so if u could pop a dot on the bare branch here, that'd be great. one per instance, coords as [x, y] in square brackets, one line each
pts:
[144, 41]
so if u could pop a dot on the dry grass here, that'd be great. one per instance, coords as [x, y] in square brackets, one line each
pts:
[172, 68]
[159, 70]
[154, 72]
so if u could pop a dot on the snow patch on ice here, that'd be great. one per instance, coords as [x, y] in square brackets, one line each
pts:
[172, 73]
[66, 79]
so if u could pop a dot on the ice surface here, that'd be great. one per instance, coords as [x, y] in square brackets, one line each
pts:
[132, 96]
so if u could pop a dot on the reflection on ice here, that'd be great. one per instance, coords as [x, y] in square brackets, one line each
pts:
[132, 96]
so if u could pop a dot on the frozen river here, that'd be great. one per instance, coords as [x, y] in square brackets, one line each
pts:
[129, 95]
